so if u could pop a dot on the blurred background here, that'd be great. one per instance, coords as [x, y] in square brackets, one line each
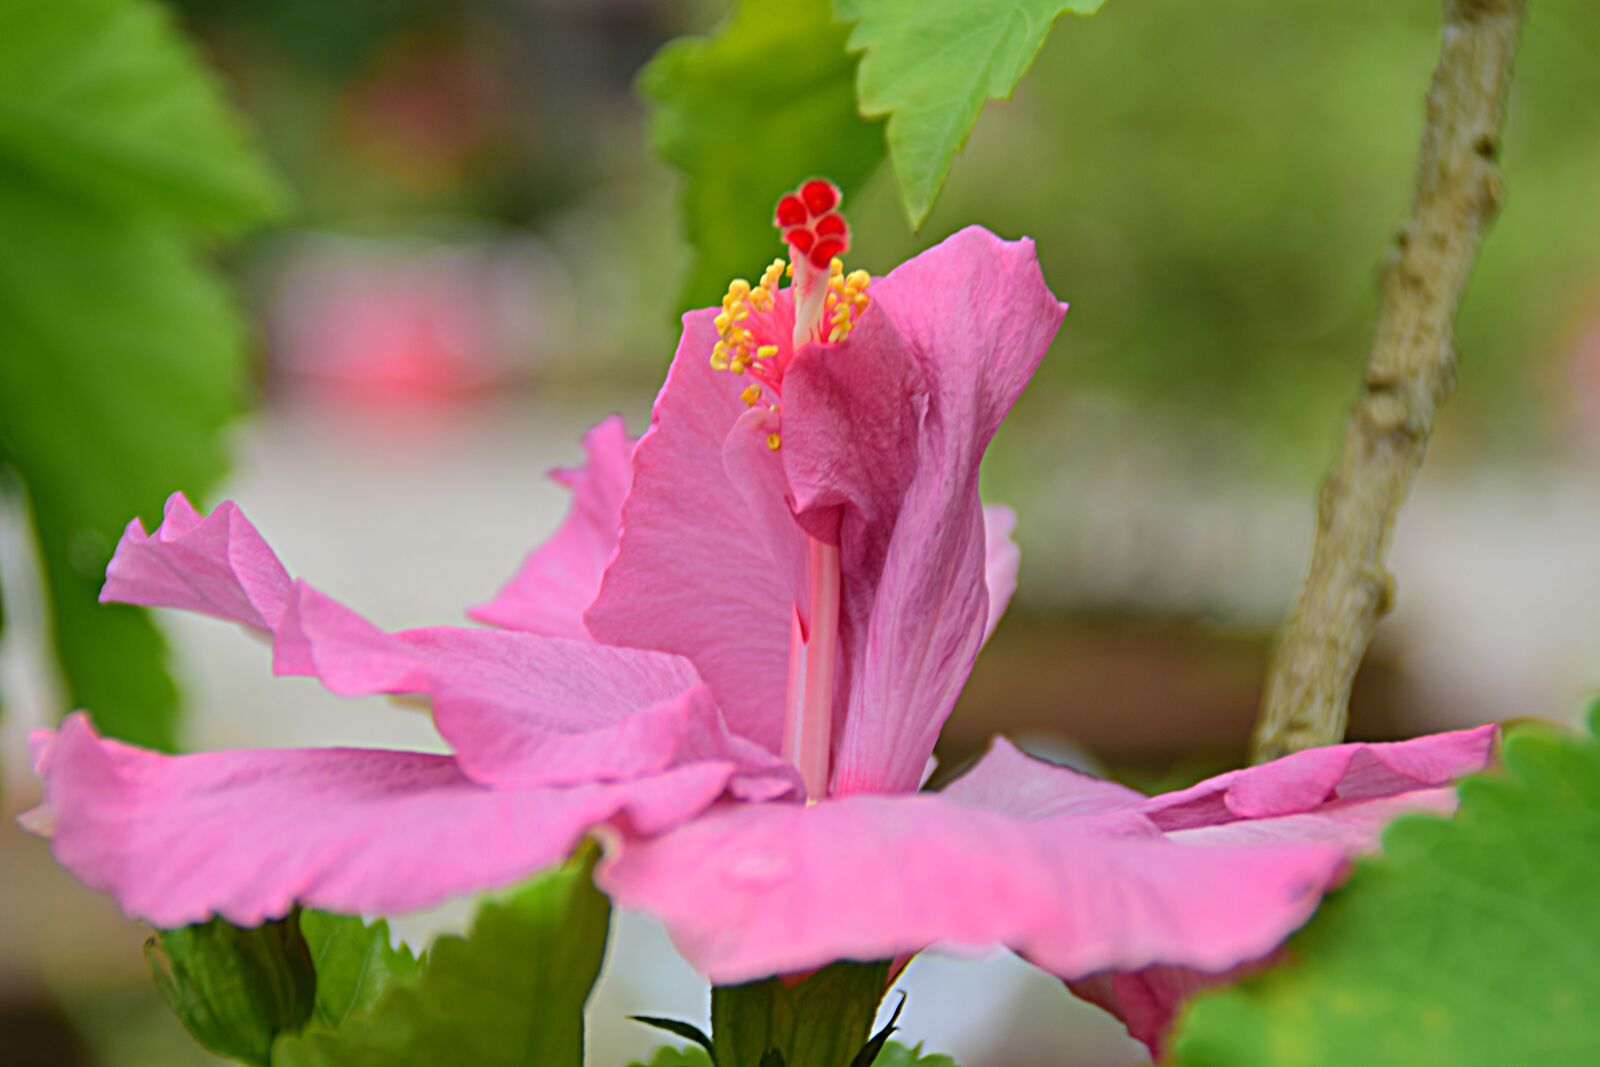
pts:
[484, 257]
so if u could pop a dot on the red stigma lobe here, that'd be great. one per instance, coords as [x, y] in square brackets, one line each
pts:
[811, 225]
[820, 196]
[791, 212]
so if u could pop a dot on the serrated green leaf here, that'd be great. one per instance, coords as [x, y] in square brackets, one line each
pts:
[509, 994]
[355, 963]
[821, 1021]
[236, 989]
[931, 65]
[898, 1055]
[747, 114]
[671, 1056]
[1470, 942]
[102, 99]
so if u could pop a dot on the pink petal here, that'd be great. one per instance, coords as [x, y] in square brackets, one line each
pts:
[1340, 797]
[517, 708]
[1149, 999]
[694, 573]
[560, 579]
[1001, 558]
[753, 890]
[888, 428]
[1010, 782]
[1308, 780]
[217, 566]
[246, 834]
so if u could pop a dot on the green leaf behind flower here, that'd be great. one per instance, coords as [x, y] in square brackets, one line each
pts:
[672, 1056]
[898, 1055]
[510, 993]
[931, 65]
[121, 357]
[746, 114]
[355, 962]
[1470, 942]
[103, 102]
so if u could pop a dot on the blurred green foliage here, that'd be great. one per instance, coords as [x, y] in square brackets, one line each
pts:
[1470, 942]
[121, 357]
[746, 115]
[1213, 187]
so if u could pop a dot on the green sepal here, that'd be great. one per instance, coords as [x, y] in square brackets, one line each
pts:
[510, 993]
[820, 1021]
[236, 989]
[869, 1052]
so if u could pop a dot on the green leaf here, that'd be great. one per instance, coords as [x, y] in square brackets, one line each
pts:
[236, 989]
[747, 114]
[898, 1055]
[1470, 942]
[120, 358]
[103, 100]
[931, 65]
[355, 963]
[821, 1021]
[671, 1056]
[509, 994]
[104, 414]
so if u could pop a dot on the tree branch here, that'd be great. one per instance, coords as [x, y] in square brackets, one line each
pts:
[1410, 372]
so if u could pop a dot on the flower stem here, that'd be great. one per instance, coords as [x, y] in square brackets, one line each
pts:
[1410, 372]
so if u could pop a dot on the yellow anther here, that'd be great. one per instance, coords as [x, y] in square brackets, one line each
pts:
[739, 287]
[835, 265]
[788, 270]
[719, 356]
[858, 279]
[751, 394]
[738, 366]
[766, 351]
[722, 322]
[773, 275]
[773, 441]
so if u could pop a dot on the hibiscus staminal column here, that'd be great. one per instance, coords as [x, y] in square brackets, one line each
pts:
[760, 331]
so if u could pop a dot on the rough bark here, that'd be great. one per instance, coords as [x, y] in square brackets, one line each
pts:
[1410, 371]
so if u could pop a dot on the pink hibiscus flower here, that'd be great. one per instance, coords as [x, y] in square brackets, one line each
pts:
[731, 662]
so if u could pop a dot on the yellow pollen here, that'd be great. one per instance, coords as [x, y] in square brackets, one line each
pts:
[737, 349]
